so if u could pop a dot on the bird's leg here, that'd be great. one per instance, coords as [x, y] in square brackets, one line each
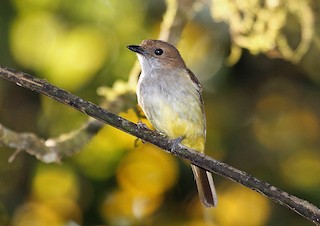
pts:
[176, 142]
[139, 112]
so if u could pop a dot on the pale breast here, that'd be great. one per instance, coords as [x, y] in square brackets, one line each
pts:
[172, 104]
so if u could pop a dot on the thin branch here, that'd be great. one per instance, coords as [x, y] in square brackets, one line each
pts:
[50, 150]
[302, 207]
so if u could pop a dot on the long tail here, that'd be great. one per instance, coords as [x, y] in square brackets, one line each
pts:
[205, 185]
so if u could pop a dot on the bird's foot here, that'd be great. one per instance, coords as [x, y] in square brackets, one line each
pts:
[176, 142]
[137, 109]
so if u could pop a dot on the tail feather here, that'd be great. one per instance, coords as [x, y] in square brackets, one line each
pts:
[205, 185]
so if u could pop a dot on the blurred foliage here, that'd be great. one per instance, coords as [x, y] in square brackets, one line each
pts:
[99, 159]
[258, 63]
[54, 205]
[258, 25]
[73, 38]
[255, 208]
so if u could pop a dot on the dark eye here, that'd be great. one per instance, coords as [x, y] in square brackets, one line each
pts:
[158, 52]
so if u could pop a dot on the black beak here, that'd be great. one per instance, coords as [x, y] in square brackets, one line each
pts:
[136, 49]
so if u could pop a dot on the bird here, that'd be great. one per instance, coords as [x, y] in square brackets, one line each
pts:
[170, 96]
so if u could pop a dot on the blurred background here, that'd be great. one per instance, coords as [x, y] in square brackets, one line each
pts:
[258, 62]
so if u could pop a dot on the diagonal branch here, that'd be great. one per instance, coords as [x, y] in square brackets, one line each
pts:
[302, 207]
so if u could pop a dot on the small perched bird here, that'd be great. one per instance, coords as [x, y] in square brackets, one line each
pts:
[170, 96]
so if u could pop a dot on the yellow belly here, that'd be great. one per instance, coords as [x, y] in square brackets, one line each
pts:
[187, 123]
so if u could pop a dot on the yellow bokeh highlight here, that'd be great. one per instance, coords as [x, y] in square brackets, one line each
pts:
[66, 57]
[242, 207]
[123, 206]
[144, 174]
[282, 125]
[302, 169]
[53, 182]
[33, 38]
[36, 214]
[147, 171]
[54, 192]
[78, 55]
[198, 49]
[66, 208]
[99, 159]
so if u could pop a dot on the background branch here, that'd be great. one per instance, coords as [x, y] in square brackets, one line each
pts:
[50, 150]
[302, 207]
